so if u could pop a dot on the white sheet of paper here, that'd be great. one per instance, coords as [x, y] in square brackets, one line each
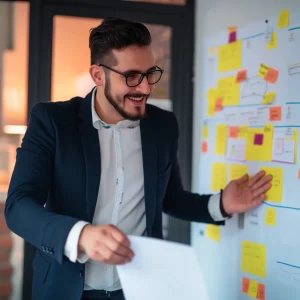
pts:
[161, 270]
[283, 149]
[236, 149]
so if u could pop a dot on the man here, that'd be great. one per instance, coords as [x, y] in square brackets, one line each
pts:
[92, 171]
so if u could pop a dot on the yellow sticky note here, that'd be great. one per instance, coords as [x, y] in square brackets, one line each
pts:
[221, 138]
[274, 194]
[253, 289]
[253, 259]
[211, 99]
[236, 171]
[218, 177]
[229, 91]
[205, 131]
[284, 19]
[273, 42]
[213, 232]
[259, 151]
[295, 138]
[230, 56]
[263, 70]
[269, 98]
[270, 217]
[243, 131]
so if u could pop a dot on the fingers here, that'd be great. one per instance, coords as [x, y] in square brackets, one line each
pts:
[258, 200]
[106, 255]
[118, 248]
[256, 178]
[242, 179]
[261, 190]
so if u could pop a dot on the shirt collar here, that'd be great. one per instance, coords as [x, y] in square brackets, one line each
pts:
[98, 123]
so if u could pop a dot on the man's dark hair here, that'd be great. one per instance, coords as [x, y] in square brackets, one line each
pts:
[115, 34]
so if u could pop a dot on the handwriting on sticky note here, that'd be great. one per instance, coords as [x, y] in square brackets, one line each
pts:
[253, 259]
[275, 113]
[213, 232]
[237, 171]
[230, 56]
[253, 289]
[283, 19]
[241, 76]
[228, 90]
[218, 176]
[274, 194]
[261, 292]
[268, 98]
[245, 284]
[258, 139]
[271, 75]
[272, 44]
[233, 131]
[219, 106]
[204, 147]
[270, 217]
[221, 138]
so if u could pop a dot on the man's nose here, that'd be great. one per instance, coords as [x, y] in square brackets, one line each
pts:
[144, 87]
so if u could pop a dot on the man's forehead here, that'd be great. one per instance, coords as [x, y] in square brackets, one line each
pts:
[135, 57]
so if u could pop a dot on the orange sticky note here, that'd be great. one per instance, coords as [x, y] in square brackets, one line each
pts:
[261, 292]
[204, 147]
[245, 285]
[299, 174]
[275, 113]
[233, 131]
[232, 28]
[219, 106]
[241, 76]
[271, 75]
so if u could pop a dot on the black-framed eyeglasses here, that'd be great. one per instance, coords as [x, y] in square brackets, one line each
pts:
[133, 79]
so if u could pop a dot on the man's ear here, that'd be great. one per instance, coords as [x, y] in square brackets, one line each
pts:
[97, 75]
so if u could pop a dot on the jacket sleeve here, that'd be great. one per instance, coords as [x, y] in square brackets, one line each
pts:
[180, 203]
[25, 210]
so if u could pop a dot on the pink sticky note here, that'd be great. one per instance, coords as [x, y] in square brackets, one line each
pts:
[232, 36]
[258, 139]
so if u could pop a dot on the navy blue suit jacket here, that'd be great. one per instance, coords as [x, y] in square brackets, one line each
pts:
[56, 179]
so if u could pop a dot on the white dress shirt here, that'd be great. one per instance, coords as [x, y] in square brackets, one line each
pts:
[121, 199]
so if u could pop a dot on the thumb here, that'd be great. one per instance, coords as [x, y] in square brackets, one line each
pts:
[242, 179]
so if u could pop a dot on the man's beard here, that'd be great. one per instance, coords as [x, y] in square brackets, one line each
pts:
[120, 110]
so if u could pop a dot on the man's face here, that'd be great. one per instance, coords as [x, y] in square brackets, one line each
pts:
[129, 102]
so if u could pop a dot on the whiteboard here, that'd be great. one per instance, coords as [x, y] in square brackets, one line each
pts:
[221, 261]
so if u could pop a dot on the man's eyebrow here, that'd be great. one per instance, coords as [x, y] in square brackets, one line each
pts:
[139, 71]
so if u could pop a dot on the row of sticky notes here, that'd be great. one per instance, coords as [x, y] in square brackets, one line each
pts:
[253, 289]
[219, 178]
[230, 55]
[258, 141]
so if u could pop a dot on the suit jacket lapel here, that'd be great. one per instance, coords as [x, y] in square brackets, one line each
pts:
[149, 150]
[91, 148]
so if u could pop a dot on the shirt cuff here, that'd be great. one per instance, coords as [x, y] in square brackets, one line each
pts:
[71, 246]
[214, 208]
